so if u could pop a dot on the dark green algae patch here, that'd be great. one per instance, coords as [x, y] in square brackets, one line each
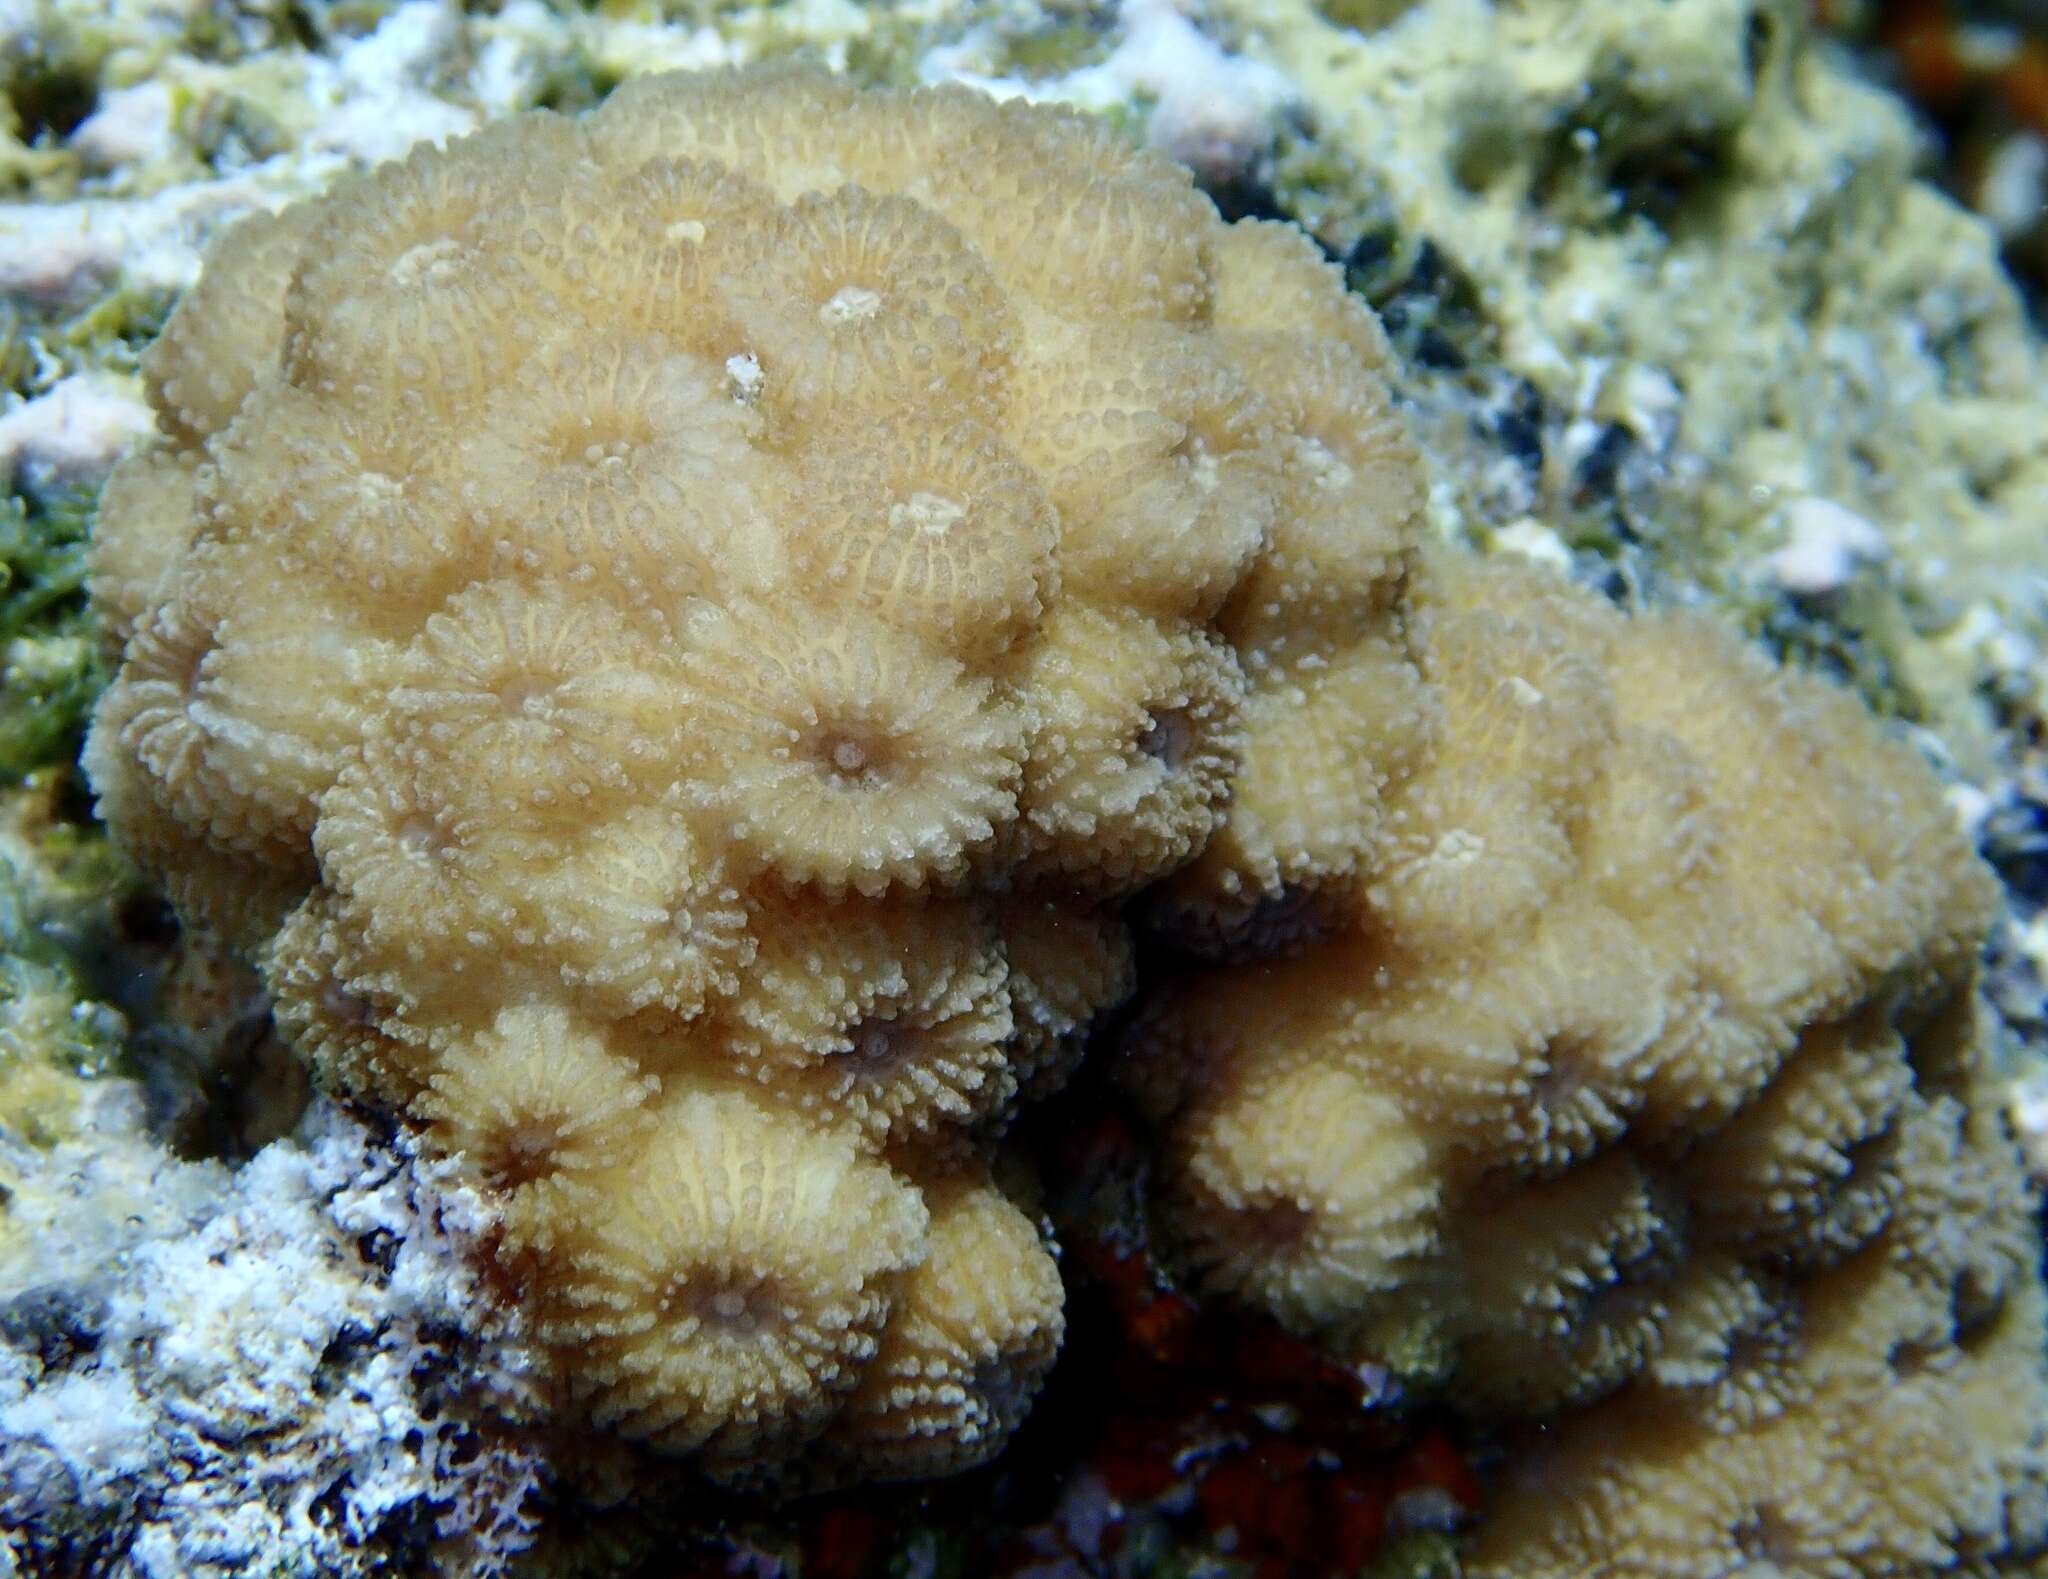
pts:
[54, 661]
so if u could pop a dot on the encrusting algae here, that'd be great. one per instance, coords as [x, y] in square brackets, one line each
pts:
[678, 639]
[689, 755]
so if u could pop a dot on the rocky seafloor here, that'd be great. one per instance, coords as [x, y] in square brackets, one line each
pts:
[1677, 307]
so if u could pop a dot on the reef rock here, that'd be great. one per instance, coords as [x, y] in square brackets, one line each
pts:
[288, 1367]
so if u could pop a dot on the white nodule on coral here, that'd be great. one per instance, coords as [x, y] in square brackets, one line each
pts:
[2014, 191]
[1826, 544]
[744, 379]
[1972, 807]
[71, 435]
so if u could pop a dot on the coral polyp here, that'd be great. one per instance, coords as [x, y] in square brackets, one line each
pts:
[1623, 1082]
[739, 608]
[685, 641]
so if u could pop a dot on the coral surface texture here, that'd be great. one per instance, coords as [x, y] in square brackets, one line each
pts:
[1641, 1093]
[701, 648]
[670, 635]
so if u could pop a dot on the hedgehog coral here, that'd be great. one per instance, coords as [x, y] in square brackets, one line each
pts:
[229, 329]
[1900, 1436]
[678, 638]
[1656, 1001]
[1306, 1192]
[670, 635]
[982, 1320]
[735, 1275]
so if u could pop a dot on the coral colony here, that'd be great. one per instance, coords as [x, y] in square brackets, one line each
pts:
[685, 641]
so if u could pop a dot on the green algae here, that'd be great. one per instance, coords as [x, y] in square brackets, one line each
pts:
[58, 885]
[59, 878]
[54, 666]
